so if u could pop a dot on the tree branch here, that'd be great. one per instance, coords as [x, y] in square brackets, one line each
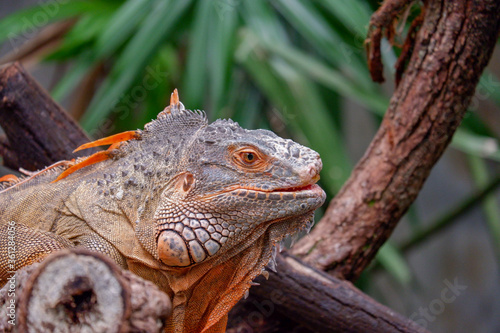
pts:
[75, 290]
[452, 48]
[298, 294]
[38, 130]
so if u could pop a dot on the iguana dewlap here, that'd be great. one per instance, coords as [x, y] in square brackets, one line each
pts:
[194, 207]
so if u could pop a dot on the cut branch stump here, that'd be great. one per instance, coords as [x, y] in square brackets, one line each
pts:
[81, 291]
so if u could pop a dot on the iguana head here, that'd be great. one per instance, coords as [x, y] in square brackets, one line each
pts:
[232, 185]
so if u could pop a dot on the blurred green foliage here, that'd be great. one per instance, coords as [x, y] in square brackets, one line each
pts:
[286, 65]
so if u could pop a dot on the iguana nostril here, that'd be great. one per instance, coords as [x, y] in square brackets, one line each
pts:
[313, 171]
[310, 173]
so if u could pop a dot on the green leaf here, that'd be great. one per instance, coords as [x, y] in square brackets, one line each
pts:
[488, 88]
[246, 106]
[23, 24]
[71, 79]
[354, 14]
[134, 58]
[308, 21]
[328, 76]
[158, 97]
[121, 26]
[263, 21]
[476, 145]
[195, 80]
[80, 38]
[222, 41]
[392, 260]
[490, 207]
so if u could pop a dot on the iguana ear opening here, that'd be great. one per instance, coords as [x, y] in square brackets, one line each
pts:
[188, 182]
[184, 184]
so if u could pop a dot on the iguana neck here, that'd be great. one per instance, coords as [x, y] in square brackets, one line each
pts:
[204, 294]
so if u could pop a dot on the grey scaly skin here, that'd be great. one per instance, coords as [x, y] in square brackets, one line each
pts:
[194, 207]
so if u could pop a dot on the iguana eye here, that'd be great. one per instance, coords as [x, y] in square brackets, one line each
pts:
[248, 158]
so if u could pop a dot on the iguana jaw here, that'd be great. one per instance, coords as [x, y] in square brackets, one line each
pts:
[191, 232]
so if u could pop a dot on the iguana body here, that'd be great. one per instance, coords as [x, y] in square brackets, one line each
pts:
[194, 207]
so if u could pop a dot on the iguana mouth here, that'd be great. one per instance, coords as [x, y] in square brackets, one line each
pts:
[308, 189]
[296, 188]
[307, 185]
[301, 189]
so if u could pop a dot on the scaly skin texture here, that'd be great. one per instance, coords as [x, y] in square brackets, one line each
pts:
[194, 207]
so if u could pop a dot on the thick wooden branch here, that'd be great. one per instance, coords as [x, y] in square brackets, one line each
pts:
[38, 130]
[78, 290]
[303, 296]
[452, 47]
[8, 154]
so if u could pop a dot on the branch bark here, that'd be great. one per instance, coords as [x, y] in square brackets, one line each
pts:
[452, 47]
[39, 132]
[75, 290]
[300, 298]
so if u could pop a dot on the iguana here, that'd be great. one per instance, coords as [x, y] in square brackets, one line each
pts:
[197, 208]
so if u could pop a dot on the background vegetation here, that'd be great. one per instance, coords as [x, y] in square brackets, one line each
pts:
[296, 67]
